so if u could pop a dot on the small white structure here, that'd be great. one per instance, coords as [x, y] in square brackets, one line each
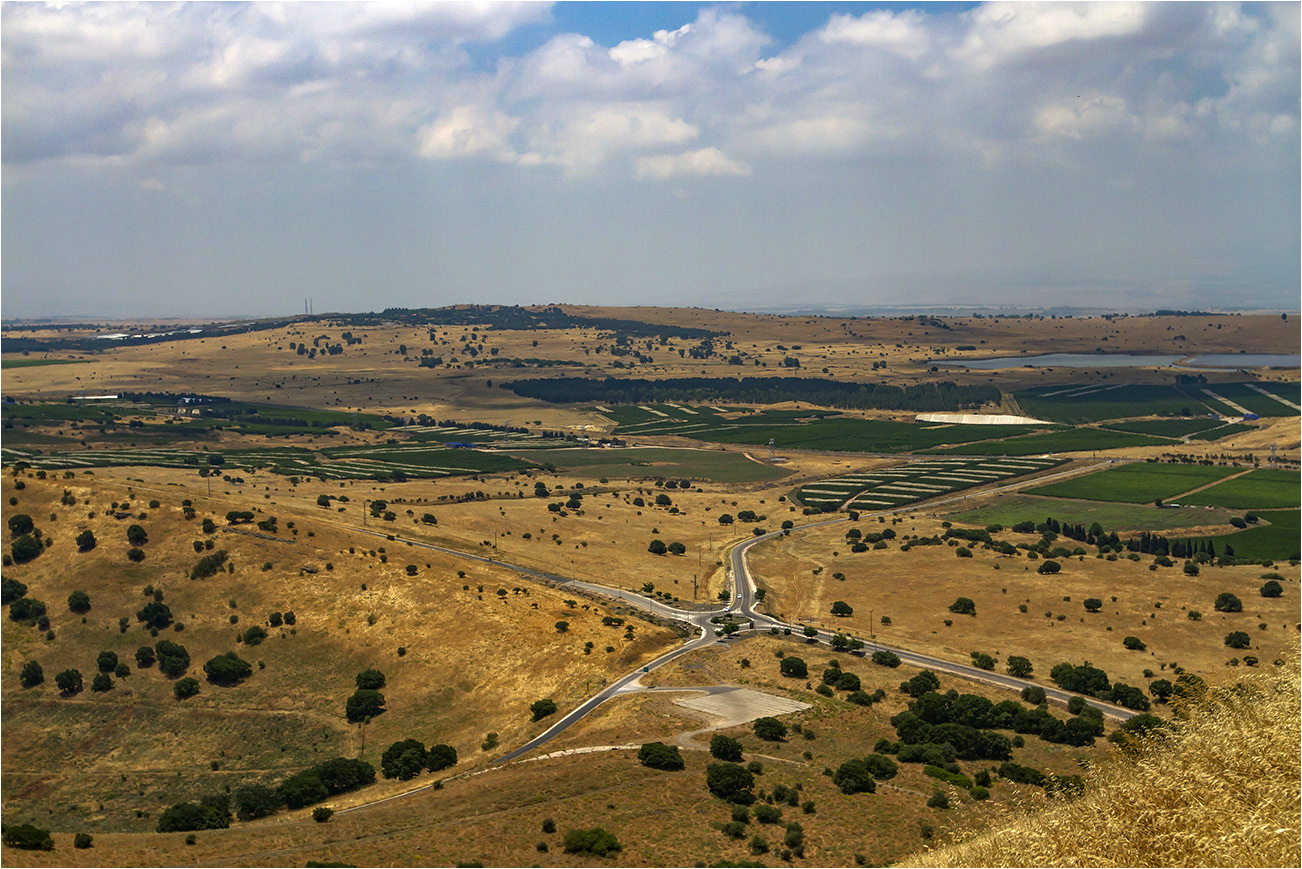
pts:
[980, 419]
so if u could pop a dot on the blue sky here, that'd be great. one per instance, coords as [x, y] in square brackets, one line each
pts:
[220, 159]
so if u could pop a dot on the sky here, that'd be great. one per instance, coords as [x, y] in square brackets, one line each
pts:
[230, 159]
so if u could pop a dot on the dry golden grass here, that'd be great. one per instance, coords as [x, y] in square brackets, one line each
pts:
[1223, 790]
[915, 588]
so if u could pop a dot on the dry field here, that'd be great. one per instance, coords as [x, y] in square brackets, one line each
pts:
[914, 590]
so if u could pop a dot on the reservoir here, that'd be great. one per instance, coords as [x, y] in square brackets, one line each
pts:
[1130, 360]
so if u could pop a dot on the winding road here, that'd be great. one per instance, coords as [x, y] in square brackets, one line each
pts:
[740, 609]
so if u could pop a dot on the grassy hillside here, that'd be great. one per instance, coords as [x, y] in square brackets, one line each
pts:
[1221, 791]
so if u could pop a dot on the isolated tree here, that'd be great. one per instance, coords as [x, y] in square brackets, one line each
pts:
[1018, 666]
[794, 667]
[1228, 603]
[595, 841]
[370, 679]
[254, 635]
[725, 519]
[136, 535]
[31, 675]
[173, 659]
[106, 662]
[657, 755]
[1161, 689]
[982, 661]
[770, 729]
[963, 606]
[1049, 567]
[27, 838]
[1272, 589]
[155, 614]
[725, 748]
[562, 626]
[731, 782]
[677, 548]
[365, 703]
[841, 608]
[79, 602]
[1134, 644]
[886, 659]
[187, 687]
[69, 681]
[1238, 640]
[542, 708]
[853, 777]
[1093, 604]
[657, 547]
[228, 669]
[86, 541]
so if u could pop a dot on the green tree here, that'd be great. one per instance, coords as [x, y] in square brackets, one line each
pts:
[1093, 604]
[1018, 666]
[886, 659]
[187, 687]
[321, 814]
[595, 841]
[365, 703]
[677, 548]
[370, 679]
[657, 547]
[69, 681]
[145, 657]
[83, 840]
[184, 817]
[982, 661]
[881, 767]
[657, 755]
[1134, 644]
[136, 554]
[404, 760]
[106, 662]
[101, 683]
[963, 606]
[32, 674]
[228, 669]
[440, 757]
[794, 668]
[1272, 589]
[841, 608]
[25, 548]
[731, 782]
[27, 837]
[1238, 640]
[155, 614]
[542, 708]
[20, 524]
[847, 682]
[173, 659]
[11, 590]
[1049, 567]
[79, 602]
[86, 541]
[853, 777]
[725, 748]
[1228, 603]
[255, 801]
[136, 535]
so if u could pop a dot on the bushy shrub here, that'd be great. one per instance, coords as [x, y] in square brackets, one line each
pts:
[725, 748]
[595, 841]
[657, 755]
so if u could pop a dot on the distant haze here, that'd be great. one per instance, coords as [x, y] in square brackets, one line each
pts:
[208, 159]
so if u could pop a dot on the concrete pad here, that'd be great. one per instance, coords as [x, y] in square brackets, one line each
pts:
[741, 705]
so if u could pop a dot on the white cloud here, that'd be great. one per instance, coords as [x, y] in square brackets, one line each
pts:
[587, 137]
[904, 34]
[1083, 118]
[703, 162]
[1002, 31]
[468, 131]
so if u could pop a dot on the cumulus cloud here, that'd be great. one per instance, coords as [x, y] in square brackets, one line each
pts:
[468, 131]
[703, 162]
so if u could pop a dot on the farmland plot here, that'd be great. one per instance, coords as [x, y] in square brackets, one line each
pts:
[905, 484]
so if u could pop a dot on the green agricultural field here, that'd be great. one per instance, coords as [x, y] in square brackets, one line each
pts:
[1245, 396]
[1224, 431]
[854, 435]
[637, 463]
[1254, 490]
[1096, 403]
[36, 363]
[44, 414]
[1008, 510]
[1139, 483]
[1072, 440]
[1167, 428]
[1277, 541]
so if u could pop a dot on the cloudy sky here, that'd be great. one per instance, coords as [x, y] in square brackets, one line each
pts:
[215, 159]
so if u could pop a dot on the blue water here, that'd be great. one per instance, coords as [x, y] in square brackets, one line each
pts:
[1128, 360]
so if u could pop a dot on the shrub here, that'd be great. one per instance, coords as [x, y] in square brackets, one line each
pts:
[1093, 604]
[155, 614]
[1228, 603]
[767, 814]
[1238, 640]
[79, 602]
[938, 800]
[184, 817]
[657, 755]
[841, 608]
[982, 661]
[725, 748]
[321, 814]
[209, 565]
[145, 657]
[136, 535]
[27, 838]
[26, 609]
[1034, 695]
[1272, 589]
[11, 590]
[542, 708]
[1047, 567]
[32, 674]
[734, 830]
[880, 767]
[548, 825]
[595, 841]
[440, 756]
[25, 548]
[1135, 644]
[371, 679]
[136, 554]
[254, 636]
[83, 840]
[255, 801]
[69, 681]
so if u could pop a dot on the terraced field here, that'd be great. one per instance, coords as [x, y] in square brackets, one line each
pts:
[896, 486]
[1071, 440]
